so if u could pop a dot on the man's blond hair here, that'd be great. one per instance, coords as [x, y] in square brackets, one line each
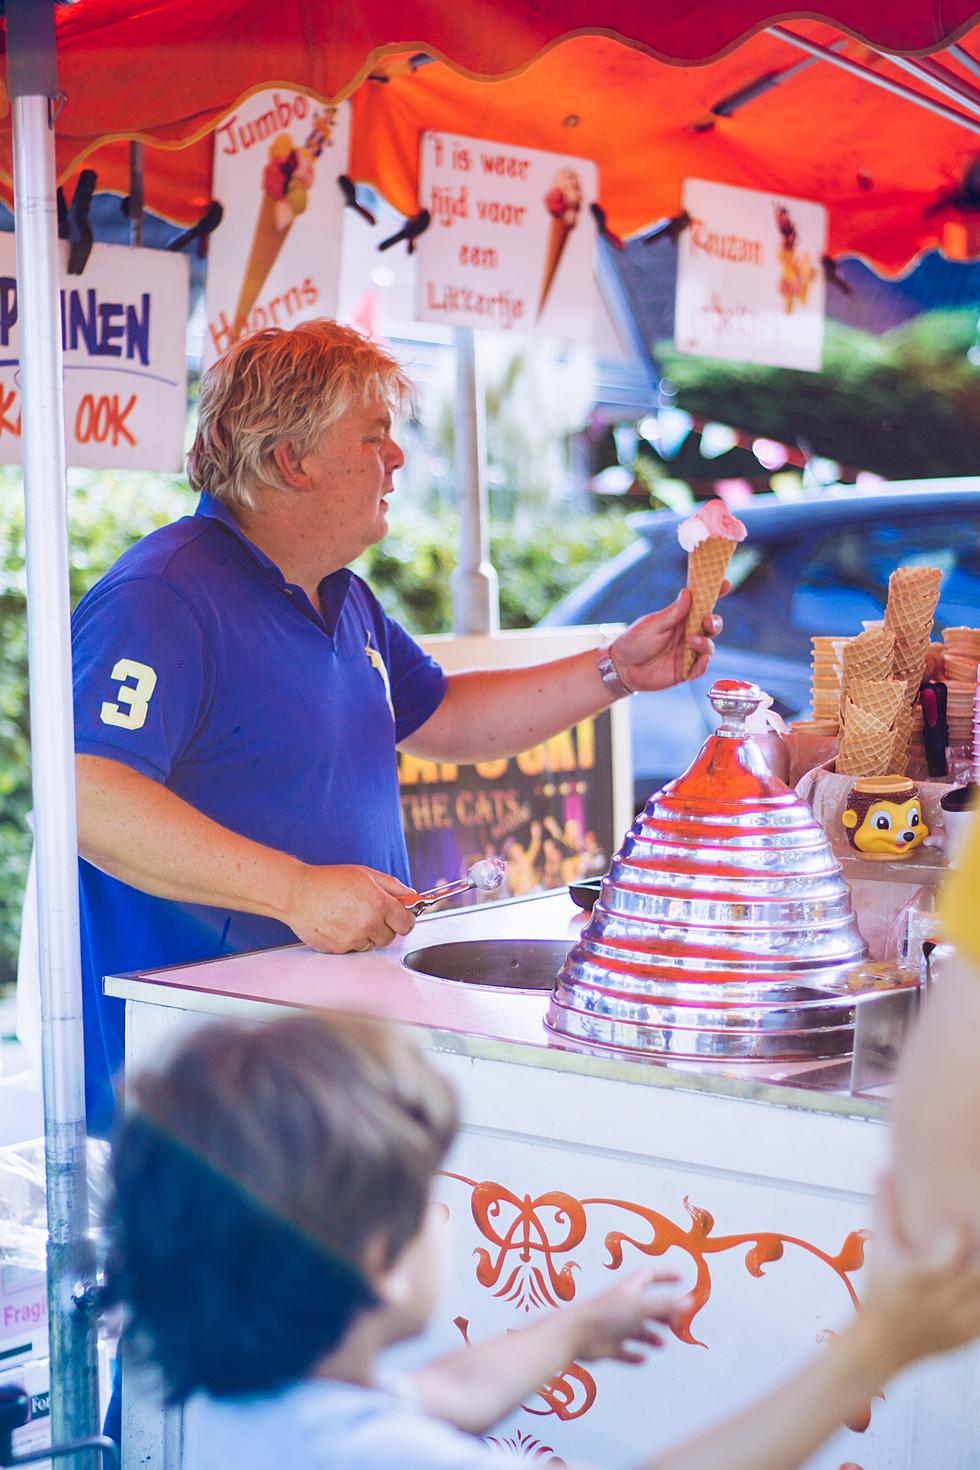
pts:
[280, 386]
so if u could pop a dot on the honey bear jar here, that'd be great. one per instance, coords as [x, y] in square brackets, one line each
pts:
[883, 818]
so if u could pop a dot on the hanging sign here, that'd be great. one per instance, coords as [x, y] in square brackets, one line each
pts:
[511, 242]
[750, 285]
[123, 337]
[274, 261]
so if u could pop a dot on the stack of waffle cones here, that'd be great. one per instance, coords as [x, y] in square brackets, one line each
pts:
[912, 596]
[871, 706]
[825, 677]
[961, 659]
[706, 568]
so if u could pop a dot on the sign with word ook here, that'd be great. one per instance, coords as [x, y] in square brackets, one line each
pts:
[750, 283]
[274, 261]
[123, 338]
[512, 241]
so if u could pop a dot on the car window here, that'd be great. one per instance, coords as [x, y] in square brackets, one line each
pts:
[744, 561]
[651, 582]
[763, 574]
[843, 578]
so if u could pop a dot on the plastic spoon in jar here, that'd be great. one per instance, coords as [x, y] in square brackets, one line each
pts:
[487, 875]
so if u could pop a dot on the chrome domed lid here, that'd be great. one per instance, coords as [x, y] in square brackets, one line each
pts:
[724, 927]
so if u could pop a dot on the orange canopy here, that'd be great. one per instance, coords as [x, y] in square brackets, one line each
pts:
[882, 165]
[613, 90]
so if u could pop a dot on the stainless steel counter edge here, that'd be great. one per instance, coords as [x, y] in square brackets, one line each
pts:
[645, 1073]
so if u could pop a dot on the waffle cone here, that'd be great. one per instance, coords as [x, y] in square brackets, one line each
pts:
[867, 657]
[900, 747]
[866, 743]
[267, 241]
[864, 757]
[706, 567]
[557, 240]
[882, 698]
[913, 593]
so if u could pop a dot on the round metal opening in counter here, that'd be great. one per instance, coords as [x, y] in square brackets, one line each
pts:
[504, 964]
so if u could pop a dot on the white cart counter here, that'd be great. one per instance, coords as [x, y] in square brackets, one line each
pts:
[751, 1181]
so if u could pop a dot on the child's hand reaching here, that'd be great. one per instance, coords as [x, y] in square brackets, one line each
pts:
[603, 1325]
[476, 1387]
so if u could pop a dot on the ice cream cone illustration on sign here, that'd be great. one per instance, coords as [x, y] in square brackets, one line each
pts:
[796, 270]
[563, 202]
[709, 537]
[286, 180]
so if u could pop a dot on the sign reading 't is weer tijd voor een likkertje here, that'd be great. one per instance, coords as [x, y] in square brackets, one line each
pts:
[123, 337]
[274, 261]
[511, 242]
[750, 284]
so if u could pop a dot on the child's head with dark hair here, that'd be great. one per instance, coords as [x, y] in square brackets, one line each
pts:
[264, 1180]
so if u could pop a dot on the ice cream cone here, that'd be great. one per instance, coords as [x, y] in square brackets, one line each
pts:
[706, 567]
[902, 737]
[267, 241]
[868, 656]
[882, 698]
[557, 239]
[913, 593]
[866, 743]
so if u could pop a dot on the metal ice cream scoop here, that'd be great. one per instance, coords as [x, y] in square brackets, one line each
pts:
[487, 875]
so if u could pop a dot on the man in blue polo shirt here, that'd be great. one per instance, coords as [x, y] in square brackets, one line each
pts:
[240, 695]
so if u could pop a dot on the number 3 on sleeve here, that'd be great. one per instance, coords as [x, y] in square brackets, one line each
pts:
[135, 697]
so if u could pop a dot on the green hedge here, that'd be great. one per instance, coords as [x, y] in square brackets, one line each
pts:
[537, 564]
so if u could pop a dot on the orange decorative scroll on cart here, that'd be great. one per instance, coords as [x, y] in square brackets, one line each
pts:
[527, 1233]
[527, 1262]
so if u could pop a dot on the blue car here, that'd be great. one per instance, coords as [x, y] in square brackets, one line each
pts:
[813, 566]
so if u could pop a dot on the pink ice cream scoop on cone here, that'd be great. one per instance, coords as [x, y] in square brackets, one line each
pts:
[563, 202]
[709, 537]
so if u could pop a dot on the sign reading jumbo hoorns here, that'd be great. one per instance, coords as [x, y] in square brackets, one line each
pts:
[274, 261]
[123, 337]
[750, 284]
[511, 242]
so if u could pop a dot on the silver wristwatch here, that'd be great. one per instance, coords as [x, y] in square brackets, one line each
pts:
[607, 670]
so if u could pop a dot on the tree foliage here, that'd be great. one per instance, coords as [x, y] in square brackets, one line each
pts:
[905, 405]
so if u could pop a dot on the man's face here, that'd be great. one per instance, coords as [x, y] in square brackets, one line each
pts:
[350, 468]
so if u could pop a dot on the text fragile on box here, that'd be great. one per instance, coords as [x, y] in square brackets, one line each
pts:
[23, 1315]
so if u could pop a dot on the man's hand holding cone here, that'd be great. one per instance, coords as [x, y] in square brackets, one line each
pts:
[653, 652]
[709, 537]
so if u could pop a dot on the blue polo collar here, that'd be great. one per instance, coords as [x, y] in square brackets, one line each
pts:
[332, 590]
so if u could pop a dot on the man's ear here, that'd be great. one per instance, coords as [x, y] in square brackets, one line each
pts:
[289, 466]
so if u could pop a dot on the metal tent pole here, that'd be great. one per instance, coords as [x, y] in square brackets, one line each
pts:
[897, 89]
[474, 582]
[33, 87]
[936, 76]
[136, 177]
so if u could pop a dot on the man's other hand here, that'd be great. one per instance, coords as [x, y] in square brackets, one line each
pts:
[347, 907]
[649, 654]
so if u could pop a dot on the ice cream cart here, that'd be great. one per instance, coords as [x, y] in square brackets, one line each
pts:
[632, 1088]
